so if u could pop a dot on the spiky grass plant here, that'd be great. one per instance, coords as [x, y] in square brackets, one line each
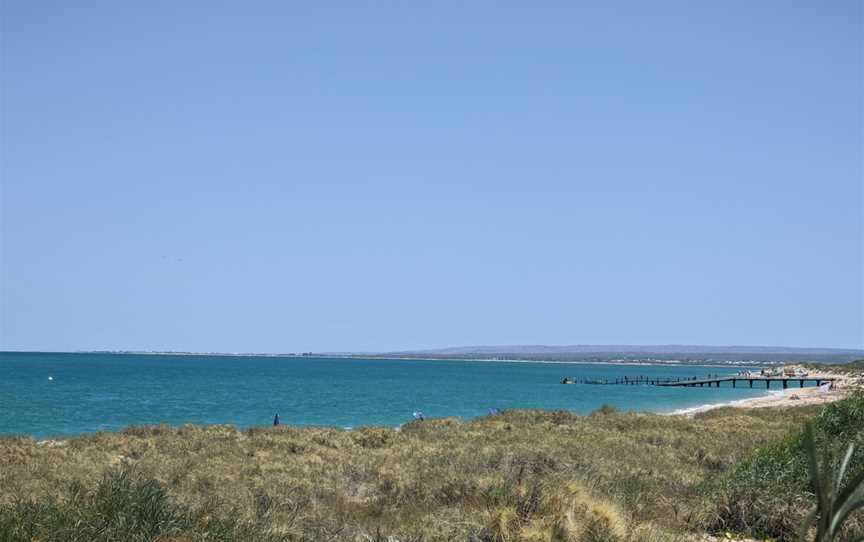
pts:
[835, 502]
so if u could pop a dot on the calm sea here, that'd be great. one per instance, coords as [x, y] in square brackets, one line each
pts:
[95, 392]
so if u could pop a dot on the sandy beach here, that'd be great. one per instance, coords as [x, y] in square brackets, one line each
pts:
[843, 384]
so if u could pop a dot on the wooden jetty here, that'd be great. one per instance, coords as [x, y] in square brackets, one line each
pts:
[701, 382]
[784, 381]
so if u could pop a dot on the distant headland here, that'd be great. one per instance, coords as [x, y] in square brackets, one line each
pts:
[659, 353]
[665, 353]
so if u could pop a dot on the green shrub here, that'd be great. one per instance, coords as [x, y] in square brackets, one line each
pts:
[769, 494]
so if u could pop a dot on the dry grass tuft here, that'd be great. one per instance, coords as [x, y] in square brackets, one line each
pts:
[523, 475]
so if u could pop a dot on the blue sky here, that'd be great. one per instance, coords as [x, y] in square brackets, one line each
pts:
[285, 176]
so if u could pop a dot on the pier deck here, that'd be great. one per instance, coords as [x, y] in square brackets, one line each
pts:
[784, 381]
[702, 382]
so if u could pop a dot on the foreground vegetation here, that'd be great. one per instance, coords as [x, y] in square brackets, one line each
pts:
[769, 492]
[522, 475]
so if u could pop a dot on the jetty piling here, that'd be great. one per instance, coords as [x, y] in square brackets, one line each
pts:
[714, 380]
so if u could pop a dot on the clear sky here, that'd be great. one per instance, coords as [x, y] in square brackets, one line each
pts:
[286, 176]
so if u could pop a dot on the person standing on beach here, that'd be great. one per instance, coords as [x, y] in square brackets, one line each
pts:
[276, 420]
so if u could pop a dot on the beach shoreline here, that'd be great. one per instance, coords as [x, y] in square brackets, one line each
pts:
[791, 397]
[635, 361]
[842, 385]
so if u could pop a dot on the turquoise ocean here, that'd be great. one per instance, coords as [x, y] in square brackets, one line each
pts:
[47, 395]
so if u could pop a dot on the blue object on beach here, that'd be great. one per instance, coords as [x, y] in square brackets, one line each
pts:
[418, 415]
[276, 420]
[494, 412]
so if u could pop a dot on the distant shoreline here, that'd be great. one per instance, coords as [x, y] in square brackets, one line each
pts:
[663, 354]
[624, 362]
[646, 363]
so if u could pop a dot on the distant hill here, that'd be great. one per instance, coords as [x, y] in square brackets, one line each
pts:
[660, 352]
[641, 349]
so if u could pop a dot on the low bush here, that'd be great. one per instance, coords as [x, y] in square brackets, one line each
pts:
[769, 494]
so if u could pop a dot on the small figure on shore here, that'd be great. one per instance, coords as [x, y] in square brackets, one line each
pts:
[276, 420]
[419, 416]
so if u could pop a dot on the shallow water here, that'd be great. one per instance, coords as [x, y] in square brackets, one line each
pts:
[94, 392]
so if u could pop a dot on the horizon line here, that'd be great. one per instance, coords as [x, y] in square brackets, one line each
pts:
[433, 350]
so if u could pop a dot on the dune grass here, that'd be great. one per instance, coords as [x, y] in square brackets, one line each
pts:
[522, 475]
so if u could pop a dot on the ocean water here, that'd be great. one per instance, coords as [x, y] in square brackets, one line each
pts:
[96, 392]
